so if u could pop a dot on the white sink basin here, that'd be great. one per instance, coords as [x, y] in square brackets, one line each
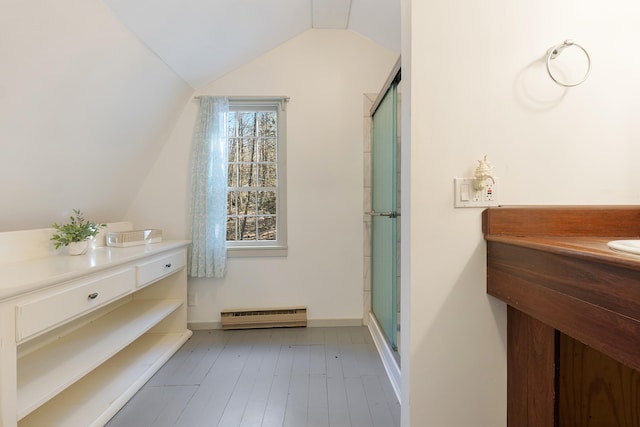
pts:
[631, 246]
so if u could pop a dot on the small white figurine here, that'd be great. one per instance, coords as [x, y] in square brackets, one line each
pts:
[483, 173]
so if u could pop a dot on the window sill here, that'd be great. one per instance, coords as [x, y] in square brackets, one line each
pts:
[257, 251]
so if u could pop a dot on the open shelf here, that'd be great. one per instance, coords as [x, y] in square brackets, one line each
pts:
[94, 399]
[67, 361]
[48, 371]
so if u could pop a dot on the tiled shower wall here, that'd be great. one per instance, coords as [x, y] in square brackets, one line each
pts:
[369, 99]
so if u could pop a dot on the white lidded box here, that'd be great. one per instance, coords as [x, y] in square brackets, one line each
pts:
[123, 239]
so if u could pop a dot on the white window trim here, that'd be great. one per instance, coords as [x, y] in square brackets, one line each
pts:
[278, 248]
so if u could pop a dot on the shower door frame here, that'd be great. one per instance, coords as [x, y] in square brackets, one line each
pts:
[384, 214]
[390, 358]
[387, 343]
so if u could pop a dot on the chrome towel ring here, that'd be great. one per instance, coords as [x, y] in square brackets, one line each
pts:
[555, 51]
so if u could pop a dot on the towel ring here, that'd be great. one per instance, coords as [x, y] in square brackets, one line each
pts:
[555, 51]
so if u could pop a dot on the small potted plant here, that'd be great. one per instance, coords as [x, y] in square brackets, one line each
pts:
[76, 234]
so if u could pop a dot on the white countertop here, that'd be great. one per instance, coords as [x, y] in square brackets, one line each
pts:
[25, 276]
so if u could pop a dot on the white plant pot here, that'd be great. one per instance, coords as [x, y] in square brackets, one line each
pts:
[78, 248]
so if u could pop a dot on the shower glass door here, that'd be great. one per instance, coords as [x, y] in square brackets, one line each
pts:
[384, 228]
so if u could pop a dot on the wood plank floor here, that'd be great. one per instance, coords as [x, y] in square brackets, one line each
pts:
[313, 377]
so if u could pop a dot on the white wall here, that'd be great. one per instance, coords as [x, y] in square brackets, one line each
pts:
[406, 313]
[84, 109]
[325, 72]
[478, 86]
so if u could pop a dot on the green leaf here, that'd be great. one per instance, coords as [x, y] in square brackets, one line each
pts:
[77, 230]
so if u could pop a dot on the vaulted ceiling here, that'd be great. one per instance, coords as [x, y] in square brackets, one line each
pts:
[91, 89]
[201, 40]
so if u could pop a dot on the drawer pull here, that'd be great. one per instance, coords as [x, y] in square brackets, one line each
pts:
[93, 295]
[168, 265]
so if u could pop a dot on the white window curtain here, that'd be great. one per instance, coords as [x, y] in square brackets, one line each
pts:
[209, 189]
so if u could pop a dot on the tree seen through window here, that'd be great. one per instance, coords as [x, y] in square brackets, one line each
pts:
[253, 176]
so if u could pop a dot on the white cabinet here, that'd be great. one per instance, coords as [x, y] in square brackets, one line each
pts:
[39, 313]
[79, 340]
[161, 266]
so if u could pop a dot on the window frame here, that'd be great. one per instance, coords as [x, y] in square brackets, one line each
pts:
[278, 247]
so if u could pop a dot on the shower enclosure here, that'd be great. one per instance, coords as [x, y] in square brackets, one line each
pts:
[385, 213]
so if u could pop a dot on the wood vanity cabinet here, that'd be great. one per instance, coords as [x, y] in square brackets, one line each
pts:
[80, 335]
[573, 314]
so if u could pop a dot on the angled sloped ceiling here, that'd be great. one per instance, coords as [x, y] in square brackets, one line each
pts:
[84, 110]
[202, 40]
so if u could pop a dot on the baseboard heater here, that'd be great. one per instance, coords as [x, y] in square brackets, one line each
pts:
[249, 318]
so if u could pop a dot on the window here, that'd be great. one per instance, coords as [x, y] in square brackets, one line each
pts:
[256, 220]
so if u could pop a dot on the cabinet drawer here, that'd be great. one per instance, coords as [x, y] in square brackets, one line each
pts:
[159, 267]
[55, 306]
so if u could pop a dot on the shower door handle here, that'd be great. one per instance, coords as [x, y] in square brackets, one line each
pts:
[392, 214]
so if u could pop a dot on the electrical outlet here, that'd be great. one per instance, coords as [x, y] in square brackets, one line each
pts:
[476, 195]
[489, 192]
[192, 300]
[467, 196]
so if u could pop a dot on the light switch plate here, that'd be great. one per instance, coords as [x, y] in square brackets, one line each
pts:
[466, 196]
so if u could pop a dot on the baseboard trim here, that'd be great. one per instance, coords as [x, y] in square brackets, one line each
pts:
[311, 323]
[203, 326]
[333, 323]
[386, 354]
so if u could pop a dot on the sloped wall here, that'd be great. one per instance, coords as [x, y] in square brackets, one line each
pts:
[325, 72]
[84, 110]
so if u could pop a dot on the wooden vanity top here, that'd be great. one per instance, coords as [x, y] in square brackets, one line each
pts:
[553, 263]
[567, 221]
[576, 231]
